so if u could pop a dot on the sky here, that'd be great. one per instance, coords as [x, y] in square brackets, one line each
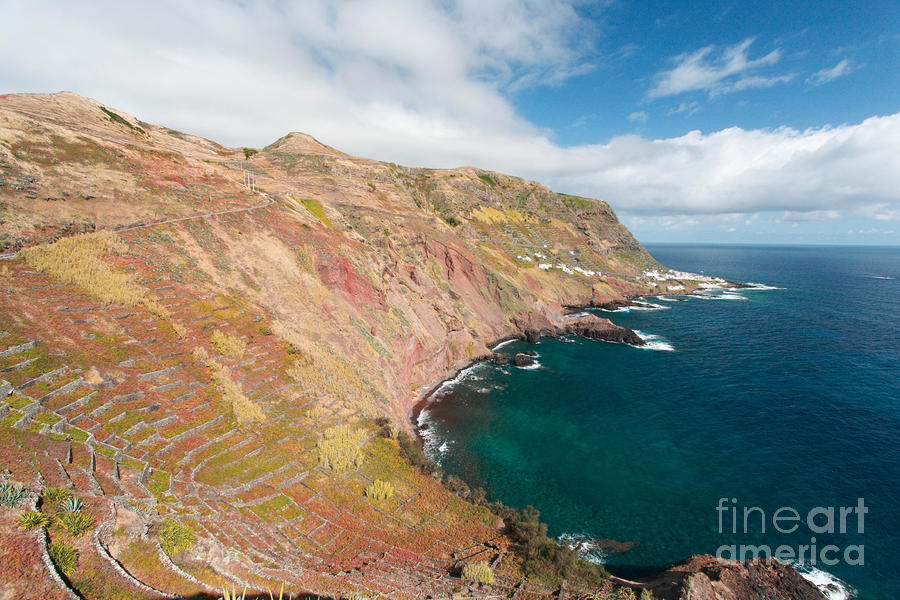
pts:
[738, 122]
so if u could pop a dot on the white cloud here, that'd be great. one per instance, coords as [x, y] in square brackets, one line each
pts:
[421, 82]
[845, 67]
[638, 117]
[725, 72]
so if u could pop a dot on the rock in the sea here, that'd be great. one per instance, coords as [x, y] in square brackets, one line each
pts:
[592, 326]
[530, 353]
[499, 358]
[523, 360]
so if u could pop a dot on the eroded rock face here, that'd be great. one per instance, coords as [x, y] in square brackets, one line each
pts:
[523, 360]
[705, 577]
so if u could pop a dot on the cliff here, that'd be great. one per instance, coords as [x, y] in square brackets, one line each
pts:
[206, 346]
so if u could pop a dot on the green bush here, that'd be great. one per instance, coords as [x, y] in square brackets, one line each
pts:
[32, 519]
[248, 152]
[75, 524]
[64, 557]
[175, 537]
[11, 494]
[478, 571]
[543, 558]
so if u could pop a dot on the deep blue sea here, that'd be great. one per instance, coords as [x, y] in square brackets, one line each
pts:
[783, 398]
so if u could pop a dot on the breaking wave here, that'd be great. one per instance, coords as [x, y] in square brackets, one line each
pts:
[654, 342]
[588, 548]
[832, 587]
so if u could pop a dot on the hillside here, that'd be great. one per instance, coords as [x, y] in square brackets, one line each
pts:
[209, 361]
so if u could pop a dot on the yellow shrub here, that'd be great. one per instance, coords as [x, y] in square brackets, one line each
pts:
[478, 571]
[339, 447]
[79, 260]
[244, 409]
[380, 490]
[179, 329]
[227, 344]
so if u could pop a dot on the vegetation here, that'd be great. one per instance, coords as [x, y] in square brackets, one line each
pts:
[117, 118]
[412, 450]
[227, 344]
[542, 557]
[64, 557]
[248, 152]
[315, 208]
[339, 447]
[11, 494]
[380, 490]
[245, 410]
[175, 537]
[55, 495]
[75, 524]
[70, 504]
[78, 260]
[478, 571]
[32, 519]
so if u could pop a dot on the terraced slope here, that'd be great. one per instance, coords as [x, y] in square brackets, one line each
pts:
[254, 327]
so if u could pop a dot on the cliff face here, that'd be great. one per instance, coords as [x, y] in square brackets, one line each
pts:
[218, 360]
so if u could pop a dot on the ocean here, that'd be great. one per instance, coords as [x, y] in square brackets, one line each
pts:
[762, 403]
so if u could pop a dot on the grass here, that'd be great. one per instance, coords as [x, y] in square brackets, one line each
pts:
[11, 494]
[478, 571]
[380, 490]
[64, 557]
[245, 410]
[79, 260]
[32, 519]
[55, 495]
[339, 447]
[315, 208]
[175, 537]
[227, 344]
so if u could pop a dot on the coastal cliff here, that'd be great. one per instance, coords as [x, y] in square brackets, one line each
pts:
[202, 337]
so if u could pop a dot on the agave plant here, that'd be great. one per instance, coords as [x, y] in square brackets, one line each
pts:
[71, 505]
[233, 595]
[11, 494]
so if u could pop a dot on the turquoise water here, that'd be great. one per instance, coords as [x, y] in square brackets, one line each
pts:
[779, 398]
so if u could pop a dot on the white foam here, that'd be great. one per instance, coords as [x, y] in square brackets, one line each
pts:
[431, 441]
[577, 315]
[502, 344]
[637, 305]
[879, 277]
[467, 373]
[444, 447]
[665, 299]
[761, 286]
[654, 342]
[832, 587]
[587, 547]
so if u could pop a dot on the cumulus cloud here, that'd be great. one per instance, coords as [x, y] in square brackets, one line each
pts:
[716, 73]
[845, 67]
[422, 82]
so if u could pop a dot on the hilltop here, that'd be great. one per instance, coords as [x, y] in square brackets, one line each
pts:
[219, 355]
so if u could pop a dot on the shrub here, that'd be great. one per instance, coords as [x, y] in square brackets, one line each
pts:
[380, 490]
[117, 118]
[478, 571]
[265, 330]
[11, 494]
[32, 519]
[457, 486]
[647, 594]
[180, 330]
[315, 208]
[339, 447]
[175, 537]
[543, 558]
[64, 557]
[248, 152]
[227, 344]
[75, 524]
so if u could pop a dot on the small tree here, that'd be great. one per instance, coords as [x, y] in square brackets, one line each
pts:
[248, 152]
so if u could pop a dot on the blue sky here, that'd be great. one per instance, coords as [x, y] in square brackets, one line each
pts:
[746, 122]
